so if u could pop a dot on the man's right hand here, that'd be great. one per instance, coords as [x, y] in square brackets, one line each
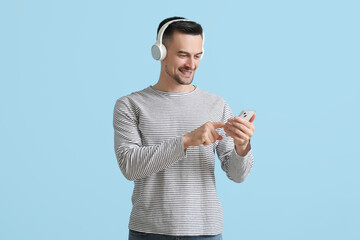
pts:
[205, 134]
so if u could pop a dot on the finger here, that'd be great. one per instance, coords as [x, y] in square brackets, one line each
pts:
[228, 132]
[215, 135]
[252, 118]
[236, 138]
[241, 120]
[241, 127]
[217, 125]
[238, 132]
[207, 141]
[232, 135]
[244, 123]
[211, 137]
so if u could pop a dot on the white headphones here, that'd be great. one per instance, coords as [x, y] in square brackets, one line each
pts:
[158, 50]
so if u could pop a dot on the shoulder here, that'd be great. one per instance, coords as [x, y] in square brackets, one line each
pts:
[211, 97]
[135, 98]
[130, 105]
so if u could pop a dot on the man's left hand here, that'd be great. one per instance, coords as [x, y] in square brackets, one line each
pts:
[241, 131]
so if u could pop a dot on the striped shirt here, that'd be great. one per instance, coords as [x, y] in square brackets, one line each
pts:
[174, 189]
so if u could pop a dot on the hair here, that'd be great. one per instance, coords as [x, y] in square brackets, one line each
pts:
[188, 27]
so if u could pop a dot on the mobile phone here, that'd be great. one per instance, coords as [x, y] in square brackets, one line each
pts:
[247, 114]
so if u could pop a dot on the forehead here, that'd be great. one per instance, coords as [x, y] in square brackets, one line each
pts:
[185, 42]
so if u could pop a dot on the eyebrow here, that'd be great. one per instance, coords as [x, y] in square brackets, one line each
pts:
[183, 52]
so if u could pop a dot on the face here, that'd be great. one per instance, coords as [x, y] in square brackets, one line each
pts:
[183, 57]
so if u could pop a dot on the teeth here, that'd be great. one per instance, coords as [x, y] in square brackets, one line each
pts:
[183, 71]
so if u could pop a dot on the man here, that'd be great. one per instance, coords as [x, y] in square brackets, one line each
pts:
[166, 136]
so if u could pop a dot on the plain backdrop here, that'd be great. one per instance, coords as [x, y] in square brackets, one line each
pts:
[63, 64]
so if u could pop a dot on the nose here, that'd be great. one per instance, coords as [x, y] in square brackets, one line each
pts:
[190, 62]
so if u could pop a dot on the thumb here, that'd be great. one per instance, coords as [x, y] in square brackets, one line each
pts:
[252, 118]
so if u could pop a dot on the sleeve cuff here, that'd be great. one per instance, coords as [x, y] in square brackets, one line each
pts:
[241, 157]
[181, 146]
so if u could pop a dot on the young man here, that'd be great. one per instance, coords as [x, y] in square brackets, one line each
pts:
[166, 136]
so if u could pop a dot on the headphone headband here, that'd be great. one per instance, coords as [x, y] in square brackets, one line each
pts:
[158, 50]
[164, 27]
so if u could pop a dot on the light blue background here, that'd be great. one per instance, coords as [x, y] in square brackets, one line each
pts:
[64, 64]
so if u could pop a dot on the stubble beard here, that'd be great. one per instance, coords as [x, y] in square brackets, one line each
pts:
[177, 78]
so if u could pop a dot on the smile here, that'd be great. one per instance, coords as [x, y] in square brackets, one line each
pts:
[186, 73]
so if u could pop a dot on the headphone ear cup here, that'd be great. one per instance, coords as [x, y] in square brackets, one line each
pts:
[163, 52]
[158, 51]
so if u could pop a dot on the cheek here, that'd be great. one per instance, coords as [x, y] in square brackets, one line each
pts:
[178, 62]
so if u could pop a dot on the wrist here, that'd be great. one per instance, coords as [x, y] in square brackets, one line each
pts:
[186, 142]
[242, 150]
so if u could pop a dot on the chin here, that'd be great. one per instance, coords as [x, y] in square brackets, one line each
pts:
[182, 82]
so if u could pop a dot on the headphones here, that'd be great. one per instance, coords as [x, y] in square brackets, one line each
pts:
[158, 50]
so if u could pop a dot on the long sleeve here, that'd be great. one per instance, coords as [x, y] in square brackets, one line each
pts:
[237, 168]
[174, 189]
[135, 160]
